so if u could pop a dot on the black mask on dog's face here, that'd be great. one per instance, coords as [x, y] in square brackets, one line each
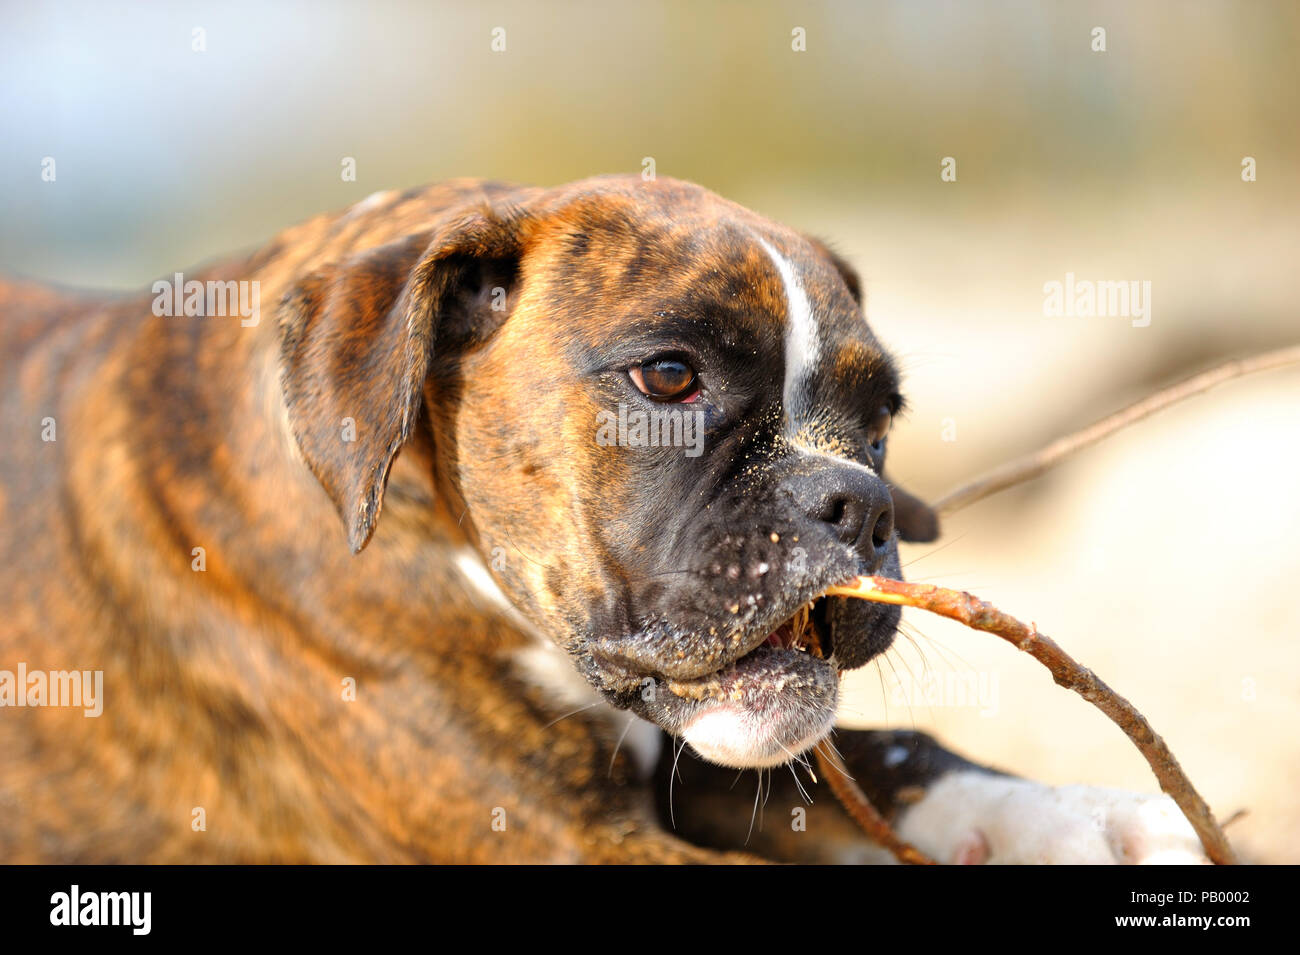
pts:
[724, 538]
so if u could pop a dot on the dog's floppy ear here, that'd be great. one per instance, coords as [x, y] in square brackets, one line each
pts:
[916, 521]
[355, 342]
[847, 272]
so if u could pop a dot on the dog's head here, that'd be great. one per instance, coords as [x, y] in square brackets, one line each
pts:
[665, 420]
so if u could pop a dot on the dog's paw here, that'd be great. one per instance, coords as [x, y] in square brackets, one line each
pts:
[972, 818]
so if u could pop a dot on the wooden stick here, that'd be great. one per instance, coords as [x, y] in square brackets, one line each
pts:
[961, 606]
[855, 801]
[1031, 465]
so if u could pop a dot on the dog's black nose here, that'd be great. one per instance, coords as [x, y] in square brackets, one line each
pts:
[851, 500]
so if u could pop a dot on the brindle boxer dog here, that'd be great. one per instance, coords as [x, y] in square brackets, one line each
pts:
[493, 671]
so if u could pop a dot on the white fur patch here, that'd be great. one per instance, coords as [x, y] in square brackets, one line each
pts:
[975, 817]
[734, 736]
[896, 756]
[548, 668]
[471, 566]
[802, 336]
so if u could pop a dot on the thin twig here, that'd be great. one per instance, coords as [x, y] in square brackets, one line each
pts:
[961, 606]
[1031, 465]
[1237, 816]
[855, 801]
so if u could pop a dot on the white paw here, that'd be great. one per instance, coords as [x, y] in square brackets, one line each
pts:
[972, 818]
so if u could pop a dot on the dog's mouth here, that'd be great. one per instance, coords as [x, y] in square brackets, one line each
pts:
[804, 637]
[804, 631]
[765, 707]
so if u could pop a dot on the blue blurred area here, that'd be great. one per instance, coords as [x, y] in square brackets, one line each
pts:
[166, 154]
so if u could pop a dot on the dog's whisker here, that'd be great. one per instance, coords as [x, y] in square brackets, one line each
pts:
[754, 814]
[573, 713]
[626, 729]
[799, 759]
[830, 742]
[681, 749]
[672, 816]
[897, 655]
[802, 760]
[933, 550]
[887, 657]
[884, 694]
[513, 544]
[920, 653]
[659, 575]
[947, 653]
[798, 784]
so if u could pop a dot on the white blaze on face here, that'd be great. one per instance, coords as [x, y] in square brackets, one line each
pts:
[803, 349]
[802, 336]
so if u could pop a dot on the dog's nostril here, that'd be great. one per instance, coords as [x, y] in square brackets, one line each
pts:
[847, 515]
[836, 515]
[883, 528]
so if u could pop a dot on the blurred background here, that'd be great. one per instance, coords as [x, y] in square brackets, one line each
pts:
[1167, 559]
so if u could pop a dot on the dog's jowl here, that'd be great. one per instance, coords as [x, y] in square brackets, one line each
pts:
[421, 532]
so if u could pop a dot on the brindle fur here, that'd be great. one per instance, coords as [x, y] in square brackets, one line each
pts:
[223, 688]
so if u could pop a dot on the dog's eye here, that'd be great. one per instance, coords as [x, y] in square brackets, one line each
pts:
[665, 379]
[879, 427]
